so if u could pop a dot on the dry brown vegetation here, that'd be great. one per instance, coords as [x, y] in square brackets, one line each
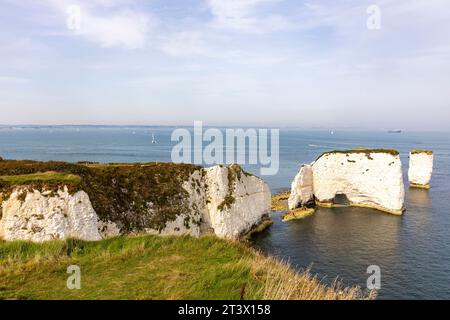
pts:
[283, 283]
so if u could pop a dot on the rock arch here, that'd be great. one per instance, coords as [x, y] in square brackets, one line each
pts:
[368, 178]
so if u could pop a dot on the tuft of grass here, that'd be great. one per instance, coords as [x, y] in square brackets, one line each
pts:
[153, 267]
[284, 284]
[49, 176]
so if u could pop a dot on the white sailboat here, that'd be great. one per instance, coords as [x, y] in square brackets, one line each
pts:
[153, 139]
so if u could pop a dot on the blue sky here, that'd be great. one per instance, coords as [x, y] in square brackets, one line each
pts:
[308, 64]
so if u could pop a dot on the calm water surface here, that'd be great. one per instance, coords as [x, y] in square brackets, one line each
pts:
[413, 250]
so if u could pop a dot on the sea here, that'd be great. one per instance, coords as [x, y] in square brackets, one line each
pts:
[412, 250]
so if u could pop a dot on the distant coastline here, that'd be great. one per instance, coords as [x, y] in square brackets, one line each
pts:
[327, 129]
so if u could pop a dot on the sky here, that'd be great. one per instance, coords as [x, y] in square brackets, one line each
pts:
[306, 64]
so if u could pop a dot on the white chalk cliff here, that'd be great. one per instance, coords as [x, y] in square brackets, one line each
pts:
[42, 216]
[224, 201]
[236, 202]
[368, 178]
[302, 190]
[420, 168]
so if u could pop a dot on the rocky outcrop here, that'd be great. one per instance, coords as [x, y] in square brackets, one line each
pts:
[224, 201]
[302, 190]
[366, 178]
[236, 202]
[43, 216]
[420, 168]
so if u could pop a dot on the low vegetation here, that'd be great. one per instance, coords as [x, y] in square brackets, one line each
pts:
[234, 174]
[152, 267]
[49, 176]
[428, 152]
[367, 152]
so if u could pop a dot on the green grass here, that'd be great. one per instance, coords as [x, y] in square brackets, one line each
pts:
[42, 177]
[152, 267]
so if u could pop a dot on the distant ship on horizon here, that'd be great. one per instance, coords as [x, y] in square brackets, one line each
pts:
[395, 131]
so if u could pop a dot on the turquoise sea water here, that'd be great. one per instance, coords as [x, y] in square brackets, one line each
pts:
[413, 251]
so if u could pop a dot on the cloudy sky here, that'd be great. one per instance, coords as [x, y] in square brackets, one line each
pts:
[226, 62]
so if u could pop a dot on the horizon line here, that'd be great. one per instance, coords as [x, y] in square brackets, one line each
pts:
[328, 128]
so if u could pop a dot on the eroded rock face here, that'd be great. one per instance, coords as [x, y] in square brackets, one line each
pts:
[420, 168]
[302, 190]
[224, 201]
[236, 201]
[43, 216]
[366, 178]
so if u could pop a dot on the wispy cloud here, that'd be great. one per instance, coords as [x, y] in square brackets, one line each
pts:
[245, 15]
[108, 23]
[126, 29]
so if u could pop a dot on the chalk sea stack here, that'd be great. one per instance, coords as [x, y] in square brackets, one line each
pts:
[370, 178]
[420, 168]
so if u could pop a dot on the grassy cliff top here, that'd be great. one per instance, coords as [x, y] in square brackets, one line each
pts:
[152, 267]
[17, 167]
[367, 152]
[429, 152]
[49, 176]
